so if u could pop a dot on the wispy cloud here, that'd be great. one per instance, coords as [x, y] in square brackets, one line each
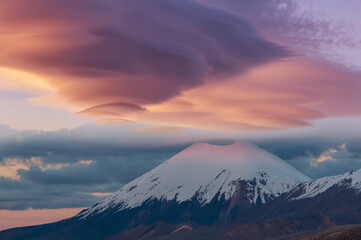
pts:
[331, 154]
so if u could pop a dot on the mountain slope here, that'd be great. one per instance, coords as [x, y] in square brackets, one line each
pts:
[350, 180]
[277, 228]
[204, 172]
[204, 184]
[247, 231]
[338, 197]
[347, 234]
[213, 192]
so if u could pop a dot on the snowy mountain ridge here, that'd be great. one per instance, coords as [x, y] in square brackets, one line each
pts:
[315, 187]
[203, 172]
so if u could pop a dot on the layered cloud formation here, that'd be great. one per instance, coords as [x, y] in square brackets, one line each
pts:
[72, 168]
[232, 66]
[76, 168]
[129, 52]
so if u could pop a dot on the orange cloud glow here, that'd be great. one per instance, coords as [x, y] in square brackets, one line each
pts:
[101, 194]
[10, 166]
[285, 94]
[12, 79]
[10, 219]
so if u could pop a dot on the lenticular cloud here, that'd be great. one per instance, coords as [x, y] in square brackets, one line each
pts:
[131, 51]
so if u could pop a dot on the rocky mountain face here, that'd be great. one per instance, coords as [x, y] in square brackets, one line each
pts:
[338, 197]
[347, 234]
[247, 231]
[209, 190]
[205, 183]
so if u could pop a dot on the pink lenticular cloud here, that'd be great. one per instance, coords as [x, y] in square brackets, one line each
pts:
[285, 94]
[111, 49]
[180, 63]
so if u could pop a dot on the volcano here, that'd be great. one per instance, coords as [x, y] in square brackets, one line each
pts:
[204, 184]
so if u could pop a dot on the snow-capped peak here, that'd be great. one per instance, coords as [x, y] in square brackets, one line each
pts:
[313, 188]
[203, 171]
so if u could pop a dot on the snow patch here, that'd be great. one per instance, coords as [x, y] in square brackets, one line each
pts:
[202, 171]
[313, 188]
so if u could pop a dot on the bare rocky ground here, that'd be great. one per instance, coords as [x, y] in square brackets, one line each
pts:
[347, 234]
[344, 232]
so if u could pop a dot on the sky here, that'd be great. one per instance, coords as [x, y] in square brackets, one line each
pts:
[95, 93]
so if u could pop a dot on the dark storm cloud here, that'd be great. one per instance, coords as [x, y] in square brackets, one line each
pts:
[102, 170]
[8, 184]
[135, 52]
[90, 154]
[83, 143]
[71, 186]
[20, 195]
[67, 166]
